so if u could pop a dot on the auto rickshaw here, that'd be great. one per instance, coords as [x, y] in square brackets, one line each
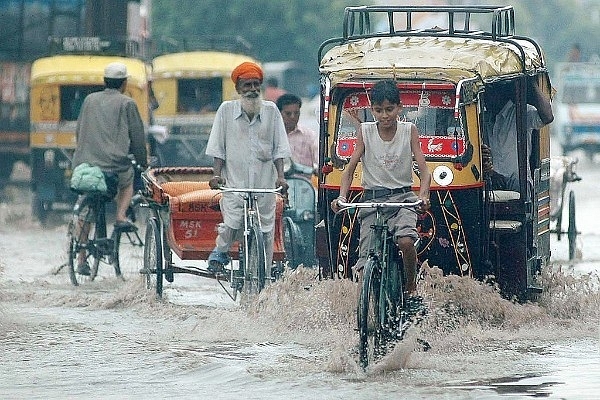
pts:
[189, 86]
[59, 85]
[445, 60]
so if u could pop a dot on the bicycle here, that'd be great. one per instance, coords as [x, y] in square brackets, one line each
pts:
[380, 315]
[251, 274]
[88, 243]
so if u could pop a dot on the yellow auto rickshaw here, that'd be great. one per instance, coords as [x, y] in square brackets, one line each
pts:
[59, 85]
[446, 62]
[189, 87]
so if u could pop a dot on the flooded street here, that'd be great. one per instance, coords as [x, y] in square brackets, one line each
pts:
[112, 339]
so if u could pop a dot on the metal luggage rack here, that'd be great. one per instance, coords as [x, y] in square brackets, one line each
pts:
[361, 22]
[230, 44]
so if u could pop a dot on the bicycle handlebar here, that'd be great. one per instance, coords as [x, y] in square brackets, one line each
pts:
[250, 190]
[345, 206]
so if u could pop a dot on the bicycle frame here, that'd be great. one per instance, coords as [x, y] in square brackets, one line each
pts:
[251, 221]
[382, 291]
[100, 247]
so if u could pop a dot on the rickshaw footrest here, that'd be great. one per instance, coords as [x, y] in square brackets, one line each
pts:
[506, 226]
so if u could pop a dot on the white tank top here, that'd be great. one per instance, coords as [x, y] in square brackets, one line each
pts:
[387, 164]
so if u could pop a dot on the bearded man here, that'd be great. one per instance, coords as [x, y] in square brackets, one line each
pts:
[248, 142]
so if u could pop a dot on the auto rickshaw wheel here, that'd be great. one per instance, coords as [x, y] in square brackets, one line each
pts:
[572, 230]
[40, 209]
[293, 242]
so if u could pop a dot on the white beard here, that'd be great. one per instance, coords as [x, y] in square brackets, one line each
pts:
[251, 105]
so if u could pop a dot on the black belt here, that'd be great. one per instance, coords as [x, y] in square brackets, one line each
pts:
[370, 194]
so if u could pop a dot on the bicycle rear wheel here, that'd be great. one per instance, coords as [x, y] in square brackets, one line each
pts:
[392, 291]
[82, 242]
[572, 229]
[369, 323]
[254, 268]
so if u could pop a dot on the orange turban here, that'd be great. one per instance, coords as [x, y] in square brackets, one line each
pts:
[247, 70]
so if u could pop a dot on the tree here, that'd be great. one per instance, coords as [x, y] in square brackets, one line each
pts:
[294, 30]
[277, 30]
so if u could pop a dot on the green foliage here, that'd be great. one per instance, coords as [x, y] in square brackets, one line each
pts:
[277, 30]
[293, 30]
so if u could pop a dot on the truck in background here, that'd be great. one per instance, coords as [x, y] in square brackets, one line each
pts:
[14, 116]
[577, 107]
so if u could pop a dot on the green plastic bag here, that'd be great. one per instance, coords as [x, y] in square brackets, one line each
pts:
[88, 178]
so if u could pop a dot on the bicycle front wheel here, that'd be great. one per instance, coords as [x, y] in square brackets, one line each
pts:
[369, 324]
[153, 257]
[83, 256]
[254, 268]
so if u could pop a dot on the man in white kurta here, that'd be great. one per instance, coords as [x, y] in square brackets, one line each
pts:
[248, 142]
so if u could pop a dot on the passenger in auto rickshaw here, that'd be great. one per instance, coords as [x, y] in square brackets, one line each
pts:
[386, 148]
[502, 133]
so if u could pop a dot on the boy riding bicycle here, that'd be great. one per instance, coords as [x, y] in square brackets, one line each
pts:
[386, 149]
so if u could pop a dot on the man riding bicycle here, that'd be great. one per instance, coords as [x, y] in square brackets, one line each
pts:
[249, 143]
[109, 128]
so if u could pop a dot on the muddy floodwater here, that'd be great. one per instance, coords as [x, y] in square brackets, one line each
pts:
[111, 339]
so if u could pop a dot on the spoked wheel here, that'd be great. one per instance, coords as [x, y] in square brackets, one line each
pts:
[82, 249]
[392, 291]
[292, 242]
[369, 324]
[572, 230]
[254, 268]
[128, 252]
[153, 257]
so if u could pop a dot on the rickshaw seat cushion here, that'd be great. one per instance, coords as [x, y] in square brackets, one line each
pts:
[203, 200]
[175, 189]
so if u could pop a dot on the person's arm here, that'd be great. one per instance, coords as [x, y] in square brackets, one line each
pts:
[280, 182]
[137, 135]
[217, 181]
[315, 152]
[542, 103]
[348, 174]
[424, 174]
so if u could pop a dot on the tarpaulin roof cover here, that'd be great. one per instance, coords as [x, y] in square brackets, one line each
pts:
[424, 57]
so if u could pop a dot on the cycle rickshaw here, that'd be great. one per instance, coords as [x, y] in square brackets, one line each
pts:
[59, 84]
[184, 214]
[562, 173]
[444, 72]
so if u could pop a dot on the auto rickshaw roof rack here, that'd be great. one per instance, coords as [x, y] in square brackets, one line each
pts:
[232, 44]
[95, 45]
[363, 22]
